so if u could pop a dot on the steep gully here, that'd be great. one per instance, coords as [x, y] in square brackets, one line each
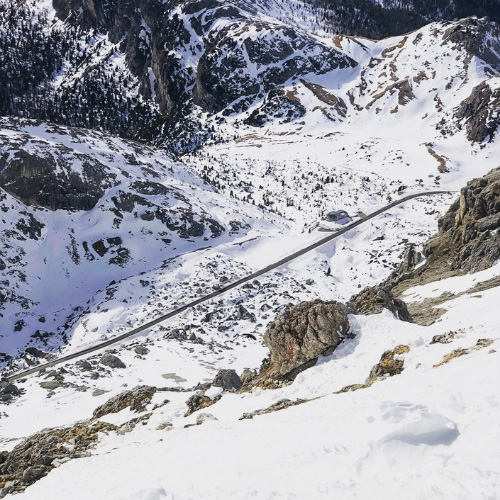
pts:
[222, 290]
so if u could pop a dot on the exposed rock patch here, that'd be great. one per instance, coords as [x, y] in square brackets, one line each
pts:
[37, 455]
[205, 417]
[50, 182]
[480, 113]
[198, 402]
[457, 353]
[112, 361]
[136, 399]
[8, 391]
[388, 366]
[279, 105]
[280, 405]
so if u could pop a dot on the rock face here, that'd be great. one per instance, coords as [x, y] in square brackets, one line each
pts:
[468, 233]
[227, 379]
[479, 37]
[374, 300]
[298, 336]
[50, 180]
[279, 105]
[480, 112]
[468, 241]
[135, 399]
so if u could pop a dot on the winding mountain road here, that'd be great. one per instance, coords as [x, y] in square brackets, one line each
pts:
[221, 290]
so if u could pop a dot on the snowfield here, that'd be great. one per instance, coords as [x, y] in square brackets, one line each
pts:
[430, 432]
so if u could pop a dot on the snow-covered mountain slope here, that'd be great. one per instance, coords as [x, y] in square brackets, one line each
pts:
[418, 111]
[428, 430]
[276, 122]
[171, 72]
[82, 213]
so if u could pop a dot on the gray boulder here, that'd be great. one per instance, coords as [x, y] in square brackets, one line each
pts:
[112, 361]
[205, 417]
[227, 379]
[8, 391]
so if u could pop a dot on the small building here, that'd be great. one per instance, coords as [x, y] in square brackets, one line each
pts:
[338, 216]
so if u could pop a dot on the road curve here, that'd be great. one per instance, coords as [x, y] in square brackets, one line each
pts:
[221, 290]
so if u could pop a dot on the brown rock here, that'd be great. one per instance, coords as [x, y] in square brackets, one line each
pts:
[298, 336]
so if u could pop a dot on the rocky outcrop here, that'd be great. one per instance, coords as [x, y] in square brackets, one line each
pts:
[302, 333]
[469, 235]
[282, 404]
[373, 300]
[50, 181]
[480, 112]
[479, 37]
[8, 391]
[279, 105]
[136, 399]
[468, 241]
[37, 455]
[390, 364]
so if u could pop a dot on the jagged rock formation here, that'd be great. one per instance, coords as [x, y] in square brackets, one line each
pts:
[469, 230]
[468, 239]
[480, 112]
[198, 402]
[298, 336]
[479, 37]
[280, 105]
[227, 379]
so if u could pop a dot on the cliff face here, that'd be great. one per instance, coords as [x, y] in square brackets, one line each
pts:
[468, 240]
[470, 229]
[480, 112]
